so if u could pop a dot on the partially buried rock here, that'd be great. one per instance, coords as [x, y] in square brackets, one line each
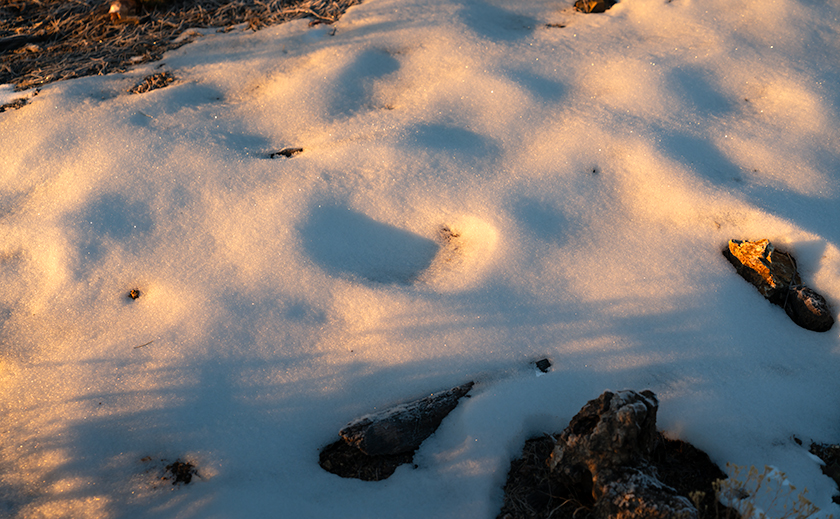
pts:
[605, 451]
[808, 309]
[769, 270]
[372, 447]
[774, 274]
[404, 427]
[594, 6]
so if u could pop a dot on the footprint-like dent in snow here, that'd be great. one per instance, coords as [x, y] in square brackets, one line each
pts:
[357, 83]
[467, 246]
[344, 241]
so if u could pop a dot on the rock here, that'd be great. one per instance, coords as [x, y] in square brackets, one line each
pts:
[285, 152]
[774, 274]
[605, 450]
[594, 6]
[349, 462]
[402, 428]
[614, 430]
[771, 271]
[544, 365]
[636, 494]
[808, 309]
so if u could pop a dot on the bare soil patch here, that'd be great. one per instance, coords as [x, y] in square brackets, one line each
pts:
[42, 41]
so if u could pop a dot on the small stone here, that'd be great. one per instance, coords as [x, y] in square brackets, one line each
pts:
[133, 293]
[544, 365]
[404, 427]
[808, 309]
[285, 152]
[594, 6]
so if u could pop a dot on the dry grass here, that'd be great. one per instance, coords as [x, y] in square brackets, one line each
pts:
[48, 40]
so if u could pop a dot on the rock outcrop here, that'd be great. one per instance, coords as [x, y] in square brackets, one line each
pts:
[605, 450]
[774, 274]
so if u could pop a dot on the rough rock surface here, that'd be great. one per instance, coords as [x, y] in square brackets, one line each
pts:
[606, 449]
[636, 494]
[594, 6]
[402, 428]
[774, 274]
[808, 309]
[771, 271]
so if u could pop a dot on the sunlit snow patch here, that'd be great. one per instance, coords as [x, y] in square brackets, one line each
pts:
[467, 247]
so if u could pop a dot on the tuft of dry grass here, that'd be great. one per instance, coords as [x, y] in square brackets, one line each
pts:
[149, 83]
[42, 41]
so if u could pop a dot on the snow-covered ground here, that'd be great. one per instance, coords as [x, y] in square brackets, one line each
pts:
[591, 173]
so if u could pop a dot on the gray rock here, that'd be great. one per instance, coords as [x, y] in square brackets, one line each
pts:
[404, 427]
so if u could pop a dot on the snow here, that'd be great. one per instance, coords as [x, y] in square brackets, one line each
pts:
[589, 177]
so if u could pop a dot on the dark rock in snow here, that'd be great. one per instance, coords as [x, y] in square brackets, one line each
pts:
[808, 309]
[774, 274]
[349, 462]
[544, 365]
[402, 428]
[285, 152]
[594, 6]
[606, 451]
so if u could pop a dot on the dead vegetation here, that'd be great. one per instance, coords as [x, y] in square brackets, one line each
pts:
[42, 41]
[149, 83]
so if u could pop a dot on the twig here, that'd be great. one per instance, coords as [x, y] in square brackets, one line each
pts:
[151, 341]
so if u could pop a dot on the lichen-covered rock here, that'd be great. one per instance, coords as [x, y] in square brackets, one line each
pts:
[404, 427]
[808, 309]
[769, 270]
[605, 450]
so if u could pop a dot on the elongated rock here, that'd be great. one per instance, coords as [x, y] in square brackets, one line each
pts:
[404, 427]
[774, 274]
